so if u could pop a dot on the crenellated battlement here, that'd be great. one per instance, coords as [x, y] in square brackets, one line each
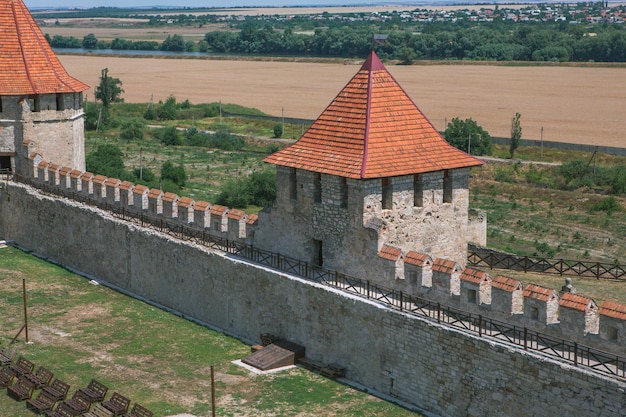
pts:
[562, 314]
[546, 310]
[229, 223]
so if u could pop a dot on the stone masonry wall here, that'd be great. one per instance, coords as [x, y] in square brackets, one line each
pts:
[442, 370]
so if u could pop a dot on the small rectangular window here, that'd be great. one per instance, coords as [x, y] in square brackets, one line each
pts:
[317, 188]
[344, 193]
[471, 297]
[387, 194]
[318, 253]
[0, 104]
[418, 191]
[293, 184]
[447, 187]
[60, 104]
[534, 313]
[612, 333]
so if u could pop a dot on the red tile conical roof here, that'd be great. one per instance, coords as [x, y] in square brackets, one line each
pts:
[27, 63]
[372, 129]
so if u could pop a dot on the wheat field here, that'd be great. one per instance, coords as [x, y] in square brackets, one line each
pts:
[575, 104]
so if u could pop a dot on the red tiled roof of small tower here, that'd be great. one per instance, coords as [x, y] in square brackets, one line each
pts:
[372, 129]
[390, 253]
[538, 292]
[27, 63]
[576, 302]
[613, 309]
[417, 258]
[506, 284]
[474, 276]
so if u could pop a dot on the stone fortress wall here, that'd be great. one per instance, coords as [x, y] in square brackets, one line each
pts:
[561, 314]
[437, 368]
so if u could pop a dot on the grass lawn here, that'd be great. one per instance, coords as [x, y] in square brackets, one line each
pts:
[82, 331]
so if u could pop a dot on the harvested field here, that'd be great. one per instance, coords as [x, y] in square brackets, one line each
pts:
[576, 104]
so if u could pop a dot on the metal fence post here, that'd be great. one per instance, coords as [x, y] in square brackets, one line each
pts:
[438, 313]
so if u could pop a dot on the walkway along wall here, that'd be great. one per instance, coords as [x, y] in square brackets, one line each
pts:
[439, 369]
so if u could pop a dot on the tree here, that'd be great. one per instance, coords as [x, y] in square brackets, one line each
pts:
[278, 130]
[106, 160]
[516, 133]
[174, 173]
[167, 110]
[468, 136]
[132, 129]
[109, 90]
[90, 41]
[170, 136]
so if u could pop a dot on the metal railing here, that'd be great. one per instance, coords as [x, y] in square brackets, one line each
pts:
[499, 260]
[484, 327]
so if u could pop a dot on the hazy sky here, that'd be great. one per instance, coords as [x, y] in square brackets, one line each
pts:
[196, 3]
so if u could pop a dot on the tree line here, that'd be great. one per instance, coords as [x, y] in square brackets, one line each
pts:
[495, 41]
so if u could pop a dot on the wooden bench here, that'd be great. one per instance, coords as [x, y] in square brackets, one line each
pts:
[23, 366]
[41, 404]
[22, 390]
[7, 375]
[40, 378]
[58, 390]
[78, 403]
[95, 391]
[139, 411]
[63, 410]
[117, 404]
[7, 355]
[98, 411]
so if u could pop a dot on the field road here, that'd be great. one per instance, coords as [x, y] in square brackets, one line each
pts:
[585, 105]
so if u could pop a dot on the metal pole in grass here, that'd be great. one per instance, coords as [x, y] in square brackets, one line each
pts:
[25, 326]
[212, 391]
[25, 309]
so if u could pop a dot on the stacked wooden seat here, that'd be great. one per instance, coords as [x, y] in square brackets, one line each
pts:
[95, 391]
[117, 404]
[22, 390]
[41, 404]
[52, 400]
[7, 355]
[40, 378]
[139, 411]
[23, 366]
[7, 375]
[57, 390]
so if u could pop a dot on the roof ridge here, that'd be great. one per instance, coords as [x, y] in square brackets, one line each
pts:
[368, 110]
[22, 49]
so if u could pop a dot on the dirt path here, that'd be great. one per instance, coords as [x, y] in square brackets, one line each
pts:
[573, 104]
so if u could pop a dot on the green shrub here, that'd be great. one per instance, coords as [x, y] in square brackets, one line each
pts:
[278, 130]
[608, 204]
[222, 139]
[170, 136]
[174, 173]
[132, 129]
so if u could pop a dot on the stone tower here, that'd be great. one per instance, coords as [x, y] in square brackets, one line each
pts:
[40, 103]
[371, 173]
